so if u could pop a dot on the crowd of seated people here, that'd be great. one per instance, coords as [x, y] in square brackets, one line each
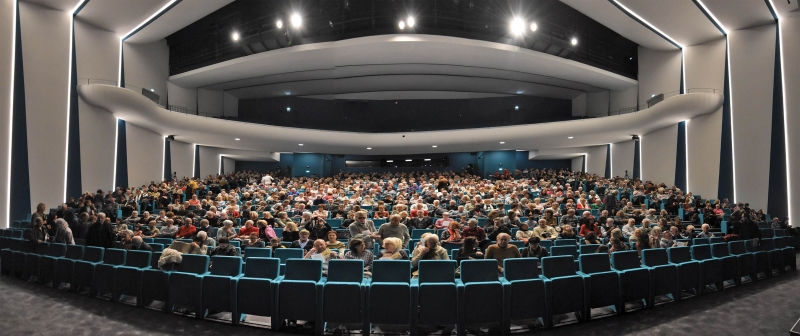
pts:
[528, 206]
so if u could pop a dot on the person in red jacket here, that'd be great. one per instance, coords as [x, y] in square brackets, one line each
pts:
[187, 230]
[244, 232]
[590, 226]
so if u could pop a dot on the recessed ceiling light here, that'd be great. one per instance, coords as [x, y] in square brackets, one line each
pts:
[389, 160]
[516, 108]
[308, 171]
[237, 139]
[534, 26]
[152, 90]
[434, 146]
[235, 36]
[279, 23]
[288, 109]
[517, 26]
[402, 25]
[296, 20]
[502, 142]
[427, 159]
[408, 160]
[571, 137]
[410, 21]
[369, 147]
[299, 144]
[574, 41]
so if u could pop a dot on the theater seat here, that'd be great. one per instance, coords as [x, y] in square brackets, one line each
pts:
[436, 293]
[300, 292]
[634, 279]
[62, 268]
[128, 277]
[525, 296]
[343, 292]
[566, 290]
[730, 264]
[186, 282]
[602, 283]
[481, 295]
[688, 269]
[103, 280]
[83, 270]
[256, 290]
[219, 287]
[663, 274]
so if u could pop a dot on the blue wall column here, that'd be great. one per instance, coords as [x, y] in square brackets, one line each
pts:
[637, 155]
[167, 161]
[778, 204]
[608, 161]
[121, 170]
[680, 157]
[74, 183]
[499, 161]
[725, 189]
[20, 187]
[196, 161]
[307, 164]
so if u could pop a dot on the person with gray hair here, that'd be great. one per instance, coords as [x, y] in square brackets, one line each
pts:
[206, 240]
[137, 244]
[226, 231]
[502, 250]
[63, 233]
[429, 250]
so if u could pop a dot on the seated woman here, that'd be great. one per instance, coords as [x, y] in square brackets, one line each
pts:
[321, 212]
[320, 251]
[591, 238]
[333, 242]
[524, 234]
[688, 233]
[275, 243]
[265, 232]
[198, 246]
[470, 250]
[393, 249]
[152, 231]
[253, 241]
[590, 226]
[453, 233]
[534, 249]
[381, 212]
[358, 251]
[567, 232]
[616, 245]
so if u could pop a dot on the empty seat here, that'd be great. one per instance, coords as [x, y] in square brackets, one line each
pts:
[436, 293]
[481, 287]
[128, 277]
[525, 297]
[688, 269]
[343, 292]
[390, 282]
[103, 279]
[565, 289]
[302, 276]
[255, 291]
[62, 268]
[634, 279]
[219, 288]
[185, 283]
[746, 261]
[730, 264]
[603, 287]
[663, 274]
[47, 263]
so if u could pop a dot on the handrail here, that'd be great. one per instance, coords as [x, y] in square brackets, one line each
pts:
[670, 94]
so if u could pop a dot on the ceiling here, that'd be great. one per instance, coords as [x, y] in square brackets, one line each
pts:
[681, 20]
[739, 14]
[119, 16]
[403, 95]
[183, 14]
[137, 109]
[402, 63]
[61, 5]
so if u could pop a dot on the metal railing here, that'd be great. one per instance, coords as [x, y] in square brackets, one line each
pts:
[666, 95]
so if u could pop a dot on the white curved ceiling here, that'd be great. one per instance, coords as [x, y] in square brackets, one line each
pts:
[135, 108]
[400, 63]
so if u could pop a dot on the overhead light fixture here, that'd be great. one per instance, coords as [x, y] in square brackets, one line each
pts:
[410, 22]
[516, 107]
[434, 146]
[570, 137]
[427, 159]
[296, 20]
[288, 109]
[502, 142]
[517, 26]
[631, 58]
[369, 147]
[389, 160]
[299, 144]
[235, 36]
[652, 96]
[402, 25]
[574, 41]
[308, 171]
[279, 24]
[152, 90]
[408, 160]
[237, 139]
[534, 26]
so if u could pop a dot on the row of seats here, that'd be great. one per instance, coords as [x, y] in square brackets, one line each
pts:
[255, 285]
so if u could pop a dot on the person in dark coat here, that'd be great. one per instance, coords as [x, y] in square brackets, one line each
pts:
[101, 233]
[748, 229]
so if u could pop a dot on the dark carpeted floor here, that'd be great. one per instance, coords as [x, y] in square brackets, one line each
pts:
[767, 307]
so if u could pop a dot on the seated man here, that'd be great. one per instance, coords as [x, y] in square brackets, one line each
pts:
[187, 230]
[244, 233]
[543, 231]
[502, 250]
[224, 248]
[303, 243]
[137, 244]
[534, 249]
[170, 230]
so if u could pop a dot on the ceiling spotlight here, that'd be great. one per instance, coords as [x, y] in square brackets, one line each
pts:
[574, 41]
[389, 160]
[534, 26]
[296, 20]
[279, 24]
[402, 25]
[308, 171]
[570, 137]
[288, 109]
[434, 146]
[631, 58]
[300, 144]
[502, 142]
[237, 139]
[408, 160]
[152, 90]
[516, 107]
[517, 26]
[427, 159]
[235, 36]
[410, 22]
[369, 147]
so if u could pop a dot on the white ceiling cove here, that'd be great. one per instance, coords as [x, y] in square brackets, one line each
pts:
[137, 109]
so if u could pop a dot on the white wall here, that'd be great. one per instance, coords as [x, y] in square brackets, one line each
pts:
[147, 66]
[577, 163]
[45, 50]
[97, 62]
[659, 72]
[182, 96]
[7, 14]
[790, 40]
[209, 161]
[752, 57]
[596, 160]
[231, 105]
[624, 99]
[98, 129]
[705, 68]
[229, 165]
[579, 105]
[597, 103]
[145, 155]
[622, 158]
[659, 152]
[182, 158]
[209, 102]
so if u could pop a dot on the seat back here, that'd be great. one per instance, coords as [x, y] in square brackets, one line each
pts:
[226, 265]
[479, 270]
[594, 263]
[262, 268]
[41, 248]
[391, 271]
[303, 269]
[767, 233]
[154, 259]
[57, 250]
[780, 242]
[589, 248]
[565, 242]
[767, 244]
[679, 255]
[655, 257]
[74, 252]
[737, 247]
[520, 268]
[346, 270]
[139, 259]
[547, 243]
[164, 241]
[700, 241]
[716, 240]
[437, 271]
[257, 253]
[194, 263]
[624, 260]
[157, 247]
[701, 252]
[720, 250]
[93, 254]
[115, 256]
[417, 233]
[752, 245]
[558, 266]
[570, 250]
[285, 253]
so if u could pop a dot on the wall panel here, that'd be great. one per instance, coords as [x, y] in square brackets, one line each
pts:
[7, 22]
[596, 160]
[659, 72]
[622, 158]
[182, 156]
[145, 155]
[147, 67]
[658, 155]
[790, 39]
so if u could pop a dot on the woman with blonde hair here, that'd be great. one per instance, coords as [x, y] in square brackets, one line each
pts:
[393, 249]
[453, 233]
